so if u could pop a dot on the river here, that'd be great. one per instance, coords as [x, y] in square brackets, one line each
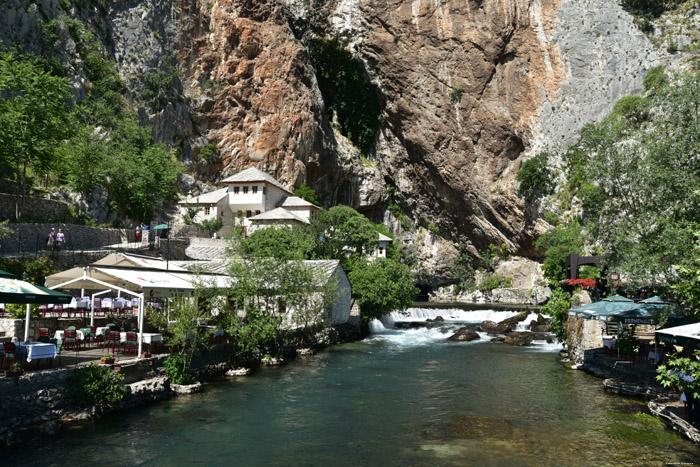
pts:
[399, 397]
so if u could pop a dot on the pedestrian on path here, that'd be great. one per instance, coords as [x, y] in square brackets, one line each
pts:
[51, 239]
[60, 240]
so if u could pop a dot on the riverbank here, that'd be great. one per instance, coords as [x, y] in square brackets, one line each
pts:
[35, 404]
[638, 381]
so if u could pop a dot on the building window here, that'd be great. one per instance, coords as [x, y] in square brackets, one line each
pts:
[206, 210]
[381, 251]
[245, 190]
[257, 212]
[255, 189]
[263, 189]
[235, 190]
[248, 214]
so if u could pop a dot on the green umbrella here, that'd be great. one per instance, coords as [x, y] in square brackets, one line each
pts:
[161, 226]
[17, 291]
[617, 298]
[6, 274]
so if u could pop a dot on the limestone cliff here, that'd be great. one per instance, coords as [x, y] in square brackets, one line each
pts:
[468, 89]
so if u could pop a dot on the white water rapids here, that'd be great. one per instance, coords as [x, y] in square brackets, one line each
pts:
[454, 318]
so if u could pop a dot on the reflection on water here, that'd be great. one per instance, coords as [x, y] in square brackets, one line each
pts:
[398, 398]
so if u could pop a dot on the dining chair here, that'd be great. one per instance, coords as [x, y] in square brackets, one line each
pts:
[10, 352]
[113, 341]
[70, 339]
[44, 332]
[132, 343]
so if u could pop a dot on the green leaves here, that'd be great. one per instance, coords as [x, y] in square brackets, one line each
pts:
[535, 177]
[343, 233]
[382, 286]
[557, 307]
[671, 375]
[283, 243]
[95, 385]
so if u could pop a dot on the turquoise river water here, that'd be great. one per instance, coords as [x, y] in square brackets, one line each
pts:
[399, 397]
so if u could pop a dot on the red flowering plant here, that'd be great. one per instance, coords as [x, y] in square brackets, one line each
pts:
[585, 283]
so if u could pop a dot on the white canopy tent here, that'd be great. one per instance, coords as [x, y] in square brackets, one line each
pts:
[142, 282]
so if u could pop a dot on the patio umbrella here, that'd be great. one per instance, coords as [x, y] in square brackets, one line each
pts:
[17, 291]
[6, 274]
[161, 226]
[602, 308]
[617, 298]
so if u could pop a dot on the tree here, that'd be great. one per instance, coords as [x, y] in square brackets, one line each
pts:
[211, 226]
[185, 335]
[535, 177]
[646, 176]
[669, 375]
[382, 286]
[143, 176]
[33, 115]
[85, 156]
[307, 193]
[463, 269]
[557, 244]
[283, 243]
[557, 307]
[343, 233]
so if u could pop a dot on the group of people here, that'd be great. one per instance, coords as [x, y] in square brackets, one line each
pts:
[139, 230]
[55, 240]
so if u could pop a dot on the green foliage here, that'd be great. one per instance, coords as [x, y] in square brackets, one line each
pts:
[307, 193]
[645, 180]
[633, 108]
[158, 87]
[143, 176]
[5, 232]
[211, 226]
[687, 289]
[343, 233]
[589, 272]
[398, 213]
[650, 7]
[456, 93]
[626, 342]
[191, 213]
[669, 374]
[95, 385]
[535, 177]
[38, 268]
[463, 269]
[346, 92]
[382, 286]
[557, 244]
[655, 79]
[209, 153]
[19, 311]
[433, 229]
[33, 115]
[557, 307]
[177, 369]
[495, 281]
[284, 243]
[551, 218]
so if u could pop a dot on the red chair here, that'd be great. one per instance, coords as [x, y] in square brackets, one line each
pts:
[70, 339]
[10, 351]
[58, 309]
[132, 343]
[97, 305]
[113, 341]
[43, 309]
[44, 332]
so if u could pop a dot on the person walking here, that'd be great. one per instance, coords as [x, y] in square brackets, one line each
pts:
[51, 239]
[60, 239]
[138, 233]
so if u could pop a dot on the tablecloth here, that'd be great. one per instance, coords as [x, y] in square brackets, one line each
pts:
[39, 350]
[79, 334]
[148, 337]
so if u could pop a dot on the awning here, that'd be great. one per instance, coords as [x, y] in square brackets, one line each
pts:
[136, 261]
[17, 291]
[625, 312]
[679, 335]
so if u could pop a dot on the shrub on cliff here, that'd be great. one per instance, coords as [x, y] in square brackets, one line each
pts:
[95, 385]
[535, 177]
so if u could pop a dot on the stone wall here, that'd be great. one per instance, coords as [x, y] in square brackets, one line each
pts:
[584, 335]
[33, 208]
[14, 328]
[31, 238]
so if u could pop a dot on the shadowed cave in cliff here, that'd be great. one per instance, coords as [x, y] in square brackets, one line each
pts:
[351, 100]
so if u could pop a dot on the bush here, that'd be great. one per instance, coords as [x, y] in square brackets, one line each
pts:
[557, 308]
[495, 281]
[535, 177]
[95, 385]
[177, 368]
[633, 108]
[655, 79]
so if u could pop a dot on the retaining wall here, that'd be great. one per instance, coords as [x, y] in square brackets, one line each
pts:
[32, 209]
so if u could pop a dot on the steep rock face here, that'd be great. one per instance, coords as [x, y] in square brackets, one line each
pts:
[462, 82]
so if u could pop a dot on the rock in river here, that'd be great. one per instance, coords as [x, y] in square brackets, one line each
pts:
[464, 335]
[494, 328]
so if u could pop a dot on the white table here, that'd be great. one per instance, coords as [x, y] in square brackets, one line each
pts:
[78, 333]
[37, 350]
[148, 337]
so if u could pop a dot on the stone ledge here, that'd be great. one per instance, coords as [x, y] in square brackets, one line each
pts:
[676, 422]
[186, 388]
